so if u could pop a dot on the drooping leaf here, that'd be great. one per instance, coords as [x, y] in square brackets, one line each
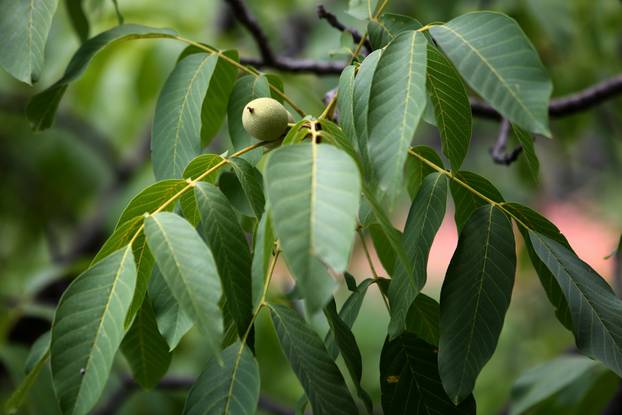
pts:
[176, 132]
[216, 98]
[252, 183]
[188, 267]
[42, 107]
[195, 169]
[231, 388]
[24, 29]
[361, 96]
[316, 224]
[543, 381]
[345, 103]
[424, 219]
[245, 89]
[423, 319]
[595, 310]
[452, 109]
[410, 382]
[475, 296]
[416, 170]
[150, 199]
[88, 328]
[145, 349]
[345, 341]
[173, 322]
[497, 60]
[121, 236]
[388, 26]
[396, 102]
[232, 188]
[321, 379]
[465, 200]
[77, 16]
[262, 252]
[525, 216]
[529, 153]
[222, 232]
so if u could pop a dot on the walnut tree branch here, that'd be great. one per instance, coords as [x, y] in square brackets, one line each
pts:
[332, 20]
[498, 153]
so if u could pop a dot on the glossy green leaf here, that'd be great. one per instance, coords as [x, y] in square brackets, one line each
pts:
[224, 236]
[345, 102]
[173, 322]
[145, 349]
[345, 341]
[313, 191]
[416, 170]
[452, 109]
[188, 267]
[361, 96]
[465, 200]
[595, 310]
[121, 236]
[176, 132]
[331, 133]
[410, 382]
[424, 219]
[144, 268]
[396, 102]
[529, 153]
[78, 19]
[150, 199]
[252, 183]
[543, 381]
[262, 253]
[88, 328]
[196, 168]
[525, 216]
[24, 29]
[474, 299]
[497, 60]
[423, 319]
[231, 388]
[42, 107]
[245, 89]
[388, 26]
[321, 379]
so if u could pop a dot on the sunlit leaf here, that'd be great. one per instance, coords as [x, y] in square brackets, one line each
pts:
[313, 191]
[474, 299]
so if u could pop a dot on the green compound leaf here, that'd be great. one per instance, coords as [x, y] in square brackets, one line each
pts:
[497, 60]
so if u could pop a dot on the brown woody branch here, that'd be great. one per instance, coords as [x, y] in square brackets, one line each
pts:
[332, 20]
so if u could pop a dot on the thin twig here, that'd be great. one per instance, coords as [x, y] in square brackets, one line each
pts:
[243, 14]
[332, 20]
[498, 153]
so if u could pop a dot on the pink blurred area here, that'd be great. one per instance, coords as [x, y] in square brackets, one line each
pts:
[591, 237]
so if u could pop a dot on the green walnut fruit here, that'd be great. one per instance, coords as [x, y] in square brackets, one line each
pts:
[265, 119]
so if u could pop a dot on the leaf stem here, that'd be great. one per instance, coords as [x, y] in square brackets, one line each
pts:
[241, 67]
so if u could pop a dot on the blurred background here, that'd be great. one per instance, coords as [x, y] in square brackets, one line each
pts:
[63, 189]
